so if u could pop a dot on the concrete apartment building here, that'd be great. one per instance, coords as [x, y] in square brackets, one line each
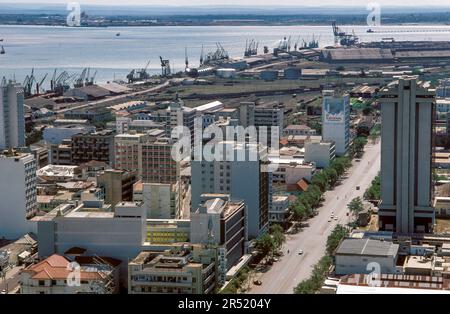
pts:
[18, 196]
[12, 115]
[336, 120]
[171, 272]
[128, 152]
[61, 154]
[243, 178]
[320, 153]
[98, 146]
[406, 157]
[222, 222]
[117, 185]
[158, 166]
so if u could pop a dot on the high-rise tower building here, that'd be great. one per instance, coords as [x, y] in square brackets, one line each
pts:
[406, 156]
[12, 118]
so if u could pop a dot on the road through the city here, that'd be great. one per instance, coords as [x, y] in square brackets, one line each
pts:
[292, 268]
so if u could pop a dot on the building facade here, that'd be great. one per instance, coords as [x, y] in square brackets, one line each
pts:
[18, 194]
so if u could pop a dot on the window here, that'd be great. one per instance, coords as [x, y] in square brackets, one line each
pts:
[41, 283]
[53, 282]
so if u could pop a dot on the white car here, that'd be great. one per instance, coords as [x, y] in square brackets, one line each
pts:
[300, 252]
[3, 291]
[335, 218]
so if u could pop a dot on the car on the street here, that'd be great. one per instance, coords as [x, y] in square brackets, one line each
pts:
[358, 188]
[300, 252]
[329, 220]
[3, 291]
[257, 282]
[335, 218]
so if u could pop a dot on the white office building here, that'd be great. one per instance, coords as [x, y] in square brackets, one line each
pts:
[12, 116]
[336, 120]
[18, 197]
[320, 153]
[243, 180]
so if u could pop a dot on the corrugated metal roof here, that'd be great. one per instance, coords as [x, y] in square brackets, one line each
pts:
[367, 247]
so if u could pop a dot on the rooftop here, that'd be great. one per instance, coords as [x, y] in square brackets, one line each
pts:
[367, 247]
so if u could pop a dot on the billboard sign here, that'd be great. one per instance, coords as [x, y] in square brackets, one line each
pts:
[334, 110]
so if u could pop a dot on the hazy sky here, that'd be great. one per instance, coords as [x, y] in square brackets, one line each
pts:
[314, 3]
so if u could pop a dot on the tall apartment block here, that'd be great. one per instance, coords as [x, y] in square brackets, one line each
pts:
[406, 156]
[98, 146]
[18, 196]
[158, 166]
[12, 117]
[128, 152]
[243, 179]
[336, 120]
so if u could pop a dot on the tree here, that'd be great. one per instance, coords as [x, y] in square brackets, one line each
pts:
[374, 191]
[339, 233]
[358, 145]
[265, 244]
[356, 206]
[278, 235]
[332, 176]
[320, 180]
[299, 211]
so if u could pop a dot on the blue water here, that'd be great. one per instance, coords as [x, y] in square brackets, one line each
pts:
[72, 49]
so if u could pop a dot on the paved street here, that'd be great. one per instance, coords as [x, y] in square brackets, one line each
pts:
[293, 268]
[12, 279]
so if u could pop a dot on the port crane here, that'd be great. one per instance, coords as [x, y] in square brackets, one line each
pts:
[61, 83]
[165, 67]
[251, 48]
[40, 83]
[139, 75]
[214, 57]
[343, 38]
[28, 84]
[79, 82]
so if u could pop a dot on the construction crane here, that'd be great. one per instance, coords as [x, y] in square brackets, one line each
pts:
[165, 67]
[342, 38]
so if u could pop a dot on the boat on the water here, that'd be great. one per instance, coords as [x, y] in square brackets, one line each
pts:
[2, 51]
